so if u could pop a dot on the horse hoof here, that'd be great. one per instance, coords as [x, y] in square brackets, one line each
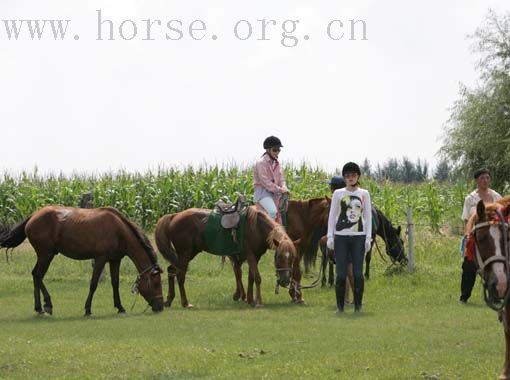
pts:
[503, 377]
[87, 314]
[121, 312]
[236, 297]
[48, 310]
[300, 302]
[188, 306]
[258, 306]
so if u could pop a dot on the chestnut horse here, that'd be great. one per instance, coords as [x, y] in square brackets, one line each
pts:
[181, 236]
[103, 234]
[307, 222]
[488, 244]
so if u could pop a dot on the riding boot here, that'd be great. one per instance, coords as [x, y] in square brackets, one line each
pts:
[340, 295]
[359, 284]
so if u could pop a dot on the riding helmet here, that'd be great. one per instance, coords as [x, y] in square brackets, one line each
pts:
[351, 167]
[337, 182]
[272, 142]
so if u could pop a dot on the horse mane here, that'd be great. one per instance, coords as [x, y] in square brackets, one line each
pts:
[277, 232]
[140, 236]
[490, 210]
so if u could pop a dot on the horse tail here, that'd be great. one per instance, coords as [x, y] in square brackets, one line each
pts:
[12, 237]
[164, 242]
[140, 236]
[310, 254]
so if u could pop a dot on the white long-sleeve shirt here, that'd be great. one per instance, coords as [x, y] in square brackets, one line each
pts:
[350, 213]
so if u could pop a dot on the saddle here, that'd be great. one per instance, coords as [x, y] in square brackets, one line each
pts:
[231, 212]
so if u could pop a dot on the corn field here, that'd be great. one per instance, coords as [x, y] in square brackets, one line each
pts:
[144, 197]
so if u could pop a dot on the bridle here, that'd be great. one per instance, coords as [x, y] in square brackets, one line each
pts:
[499, 304]
[401, 257]
[135, 288]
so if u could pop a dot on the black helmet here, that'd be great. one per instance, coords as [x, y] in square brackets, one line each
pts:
[337, 182]
[272, 142]
[351, 167]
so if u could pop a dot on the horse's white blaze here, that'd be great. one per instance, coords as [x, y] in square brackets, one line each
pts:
[287, 254]
[498, 268]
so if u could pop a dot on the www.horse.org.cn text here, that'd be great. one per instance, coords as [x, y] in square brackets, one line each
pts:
[288, 33]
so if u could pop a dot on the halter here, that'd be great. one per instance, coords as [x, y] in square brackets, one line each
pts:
[388, 249]
[136, 291]
[505, 259]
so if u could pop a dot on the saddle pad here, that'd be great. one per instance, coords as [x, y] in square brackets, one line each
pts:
[219, 241]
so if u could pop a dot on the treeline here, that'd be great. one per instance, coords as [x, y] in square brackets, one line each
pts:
[407, 171]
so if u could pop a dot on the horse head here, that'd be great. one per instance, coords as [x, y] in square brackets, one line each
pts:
[148, 284]
[489, 232]
[285, 254]
[395, 245]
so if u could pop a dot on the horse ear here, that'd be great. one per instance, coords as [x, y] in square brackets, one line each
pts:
[399, 229]
[276, 243]
[296, 242]
[328, 199]
[480, 209]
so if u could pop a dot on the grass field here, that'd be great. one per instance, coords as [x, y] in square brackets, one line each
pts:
[412, 326]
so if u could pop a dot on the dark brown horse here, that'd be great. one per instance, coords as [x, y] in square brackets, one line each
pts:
[181, 236]
[103, 234]
[488, 237]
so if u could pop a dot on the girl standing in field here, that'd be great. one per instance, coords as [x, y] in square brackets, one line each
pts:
[349, 233]
[268, 178]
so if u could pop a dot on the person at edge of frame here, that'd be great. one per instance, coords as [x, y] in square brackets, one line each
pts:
[349, 232]
[482, 192]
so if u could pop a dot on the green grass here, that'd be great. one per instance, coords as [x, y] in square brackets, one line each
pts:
[412, 326]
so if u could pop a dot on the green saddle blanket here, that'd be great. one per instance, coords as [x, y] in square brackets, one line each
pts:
[220, 241]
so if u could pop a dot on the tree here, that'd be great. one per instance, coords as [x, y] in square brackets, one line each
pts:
[442, 172]
[478, 132]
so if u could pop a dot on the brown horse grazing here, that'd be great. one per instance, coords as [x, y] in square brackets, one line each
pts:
[181, 236]
[489, 245]
[307, 222]
[103, 234]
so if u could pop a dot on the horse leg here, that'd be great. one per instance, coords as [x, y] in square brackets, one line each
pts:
[171, 285]
[294, 292]
[368, 258]
[238, 272]
[253, 264]
[324, 265]
[505, 375]
[98, 268]
[331, 279]
[114, 274]
[38, 273]
[249, 292]
[181, 278]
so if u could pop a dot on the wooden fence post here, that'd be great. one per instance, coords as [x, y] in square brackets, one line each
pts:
[410, 239]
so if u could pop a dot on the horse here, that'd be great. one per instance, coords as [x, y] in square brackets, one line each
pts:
[488, 245]
[103, 234]
[383, 228]
[181, 236]
[307, 222]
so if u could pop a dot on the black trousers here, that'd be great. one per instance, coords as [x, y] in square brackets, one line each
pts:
[468, 279]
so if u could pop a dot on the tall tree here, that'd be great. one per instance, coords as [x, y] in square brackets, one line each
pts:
[478, 132]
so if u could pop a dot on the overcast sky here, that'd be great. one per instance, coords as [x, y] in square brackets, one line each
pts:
[88, 105]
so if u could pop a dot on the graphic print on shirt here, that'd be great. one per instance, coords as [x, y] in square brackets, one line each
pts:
[351, 208]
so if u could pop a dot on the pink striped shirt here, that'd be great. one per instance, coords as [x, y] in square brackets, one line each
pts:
[268, 175]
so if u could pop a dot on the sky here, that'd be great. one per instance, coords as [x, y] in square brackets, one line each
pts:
[87, 105]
